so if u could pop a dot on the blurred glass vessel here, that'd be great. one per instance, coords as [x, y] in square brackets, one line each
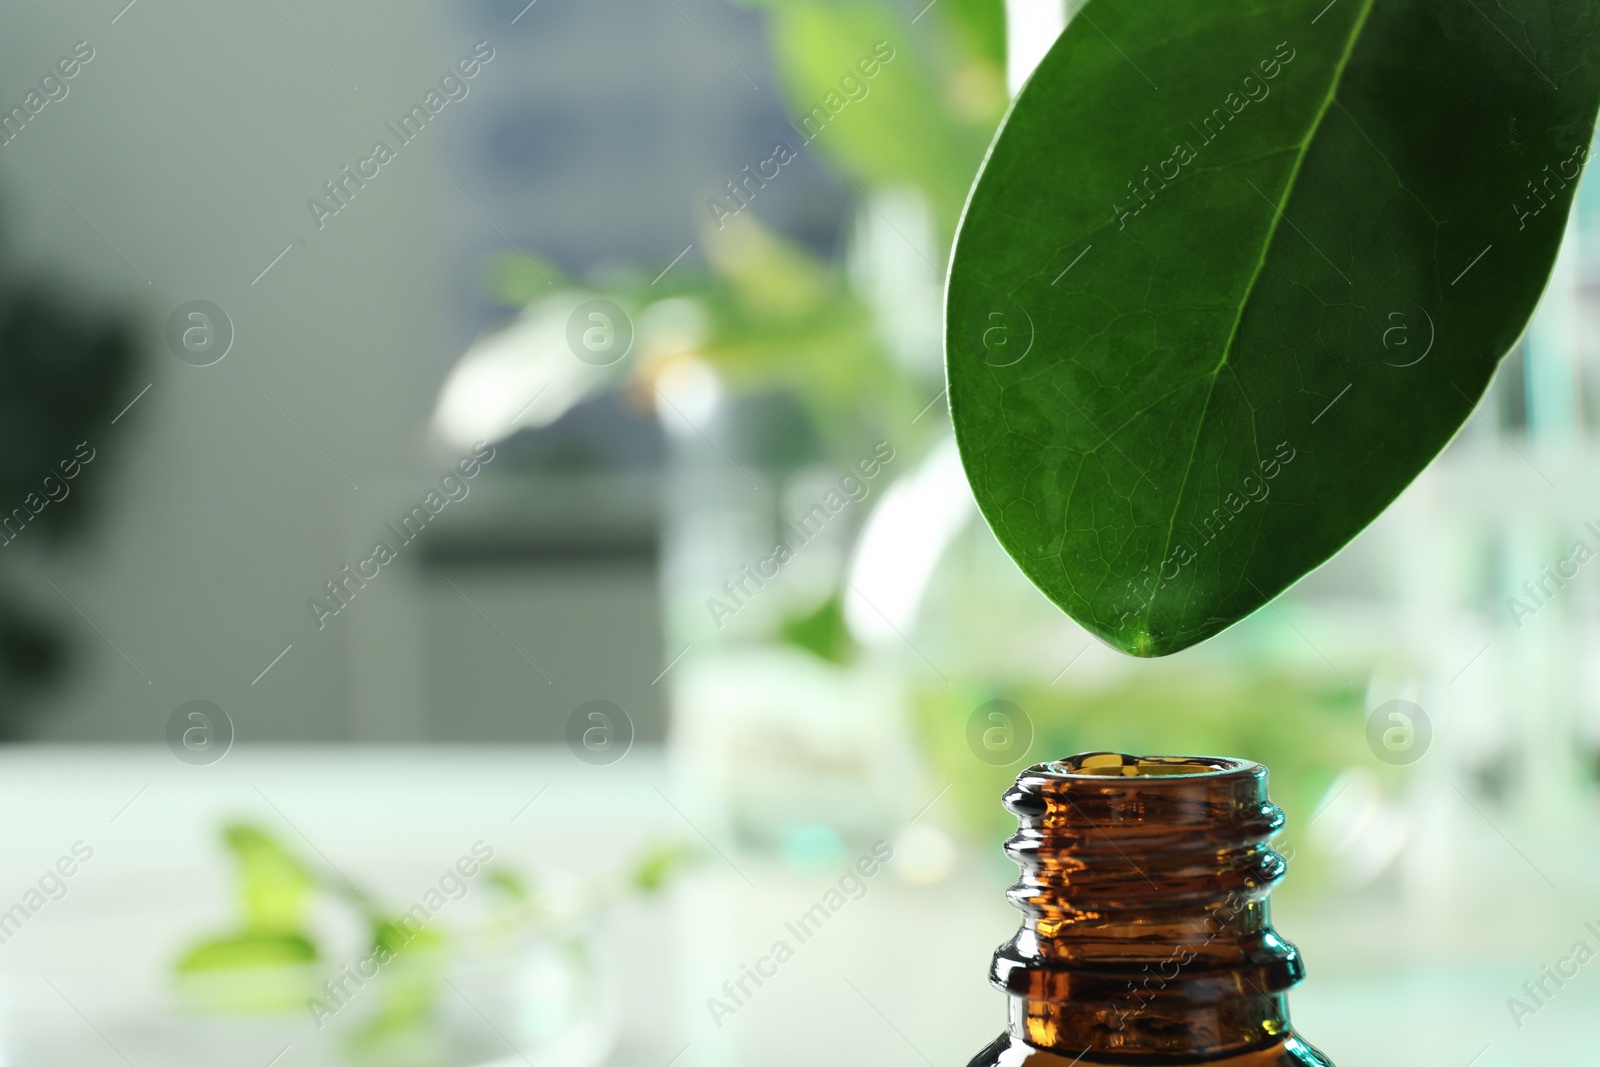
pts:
[1145, 936]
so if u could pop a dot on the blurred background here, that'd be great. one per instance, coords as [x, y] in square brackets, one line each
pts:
[484, 554]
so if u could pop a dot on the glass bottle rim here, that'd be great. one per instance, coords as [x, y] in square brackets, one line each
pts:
[1107, 766]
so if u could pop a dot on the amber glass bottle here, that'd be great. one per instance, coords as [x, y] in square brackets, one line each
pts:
[1145, 937]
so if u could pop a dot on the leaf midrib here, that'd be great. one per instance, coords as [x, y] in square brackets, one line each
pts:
[1255, 276]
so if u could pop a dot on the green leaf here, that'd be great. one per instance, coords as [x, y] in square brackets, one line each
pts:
[274, 885]
[863, 96]
[247, 950]
[1234, 273]
[782, 318]
[407, 1002]
[659, 866]
[822, 632]
[405, 933]
[981, 26]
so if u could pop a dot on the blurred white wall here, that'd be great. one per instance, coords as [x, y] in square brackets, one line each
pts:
[192, 141]
[182, 159]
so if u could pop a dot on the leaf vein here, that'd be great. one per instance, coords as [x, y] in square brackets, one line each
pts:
[1272, 230]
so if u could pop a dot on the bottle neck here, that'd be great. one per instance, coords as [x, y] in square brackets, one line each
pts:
[1145, 934]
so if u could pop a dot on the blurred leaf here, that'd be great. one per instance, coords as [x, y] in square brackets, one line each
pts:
[891, 127]
[406, 1002]
[29, 649]
[274, 886]
[658, 867]
[401, 934]
[274, 890]
[64, 373]
[822, 633]
[769, 276]
[980, 26]
[509, 883]
[247, 950]
[783, 319]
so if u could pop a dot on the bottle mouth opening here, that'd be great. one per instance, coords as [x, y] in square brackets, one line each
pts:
[1122, 765]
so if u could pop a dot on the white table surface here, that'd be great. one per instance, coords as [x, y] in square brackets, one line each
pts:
[897, 978]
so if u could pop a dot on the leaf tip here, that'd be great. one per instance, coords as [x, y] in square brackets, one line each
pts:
[1145, 643]
[1142, 643]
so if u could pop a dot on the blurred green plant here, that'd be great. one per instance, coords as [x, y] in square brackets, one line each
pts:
[270, 962]
[64, 371]
[900, 105]
[275, 891]
[822, 633]
[927, 119]
[777, 316]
